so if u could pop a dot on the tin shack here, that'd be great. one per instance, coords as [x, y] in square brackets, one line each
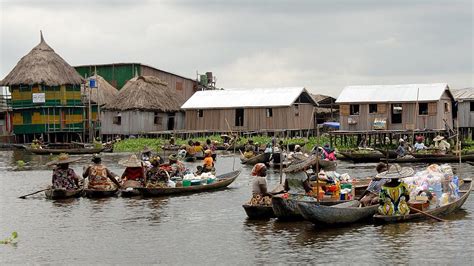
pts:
[465, 111]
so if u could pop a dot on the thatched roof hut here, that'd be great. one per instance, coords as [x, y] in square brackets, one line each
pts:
[105, 93]
[42, 66]
[146, 93]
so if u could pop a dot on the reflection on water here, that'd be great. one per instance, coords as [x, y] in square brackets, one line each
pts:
[207, 228]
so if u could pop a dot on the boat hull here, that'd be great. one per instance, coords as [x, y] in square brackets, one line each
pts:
[93, 193]
[344, 213]
[55, 194]
[68, 151]
[256, 212]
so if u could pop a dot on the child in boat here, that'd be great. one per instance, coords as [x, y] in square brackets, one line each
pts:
[260, 195]
[100, 176]
[63, 176]
[394, 195]
[134, 175]
[371, 194]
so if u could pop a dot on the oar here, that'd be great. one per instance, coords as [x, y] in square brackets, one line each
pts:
[24, 196]
[427, 214]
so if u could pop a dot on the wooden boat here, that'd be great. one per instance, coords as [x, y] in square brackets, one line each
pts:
[95, 193]
[327, 165]
[169, 147]
[362, 156]
[54, 194]
[343, 213]
[445, 158]
[68, 151]
[392, 154]
[471, 163]
[259, 211]
[464, 192]
[260, 158]
[129, 192]
[287, 209]
[221, 182]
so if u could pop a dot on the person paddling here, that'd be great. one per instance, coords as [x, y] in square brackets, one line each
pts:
[99, 175]
[63, 176]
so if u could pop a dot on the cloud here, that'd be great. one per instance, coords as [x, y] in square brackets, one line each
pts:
[322, 45]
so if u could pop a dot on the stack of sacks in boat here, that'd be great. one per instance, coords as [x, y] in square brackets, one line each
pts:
[202, 179]
[436, 185]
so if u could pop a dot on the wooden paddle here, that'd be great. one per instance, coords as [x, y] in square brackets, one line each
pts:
[24, 196]
[427, 214]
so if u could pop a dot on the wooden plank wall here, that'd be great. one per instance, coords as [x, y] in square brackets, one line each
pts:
[254, 119]
[434, 120]
[185, 87]
[466, 117]
[137, 122]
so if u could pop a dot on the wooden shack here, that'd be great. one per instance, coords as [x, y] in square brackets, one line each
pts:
[465, 111]
[45, 97]
[145, 104]
[261, 109]
[327, 110]
[396, 107]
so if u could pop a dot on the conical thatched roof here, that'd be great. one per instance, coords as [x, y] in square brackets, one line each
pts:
[146, 93]
[105, 93]
[42, 66]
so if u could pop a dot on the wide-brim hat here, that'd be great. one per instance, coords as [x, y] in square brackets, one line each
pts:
[438, 138]
[396, 171]
[131, 162]
[62, 158]
[146, 149]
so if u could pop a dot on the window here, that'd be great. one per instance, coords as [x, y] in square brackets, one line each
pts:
[157, 120]
[397, 111]
[297, 110]
[372, 108]
[117, 119]
[423, 108]
[200, 113]
[239, 117]
[472, 106]
[446, 107]
[354, 109]
[269, 112]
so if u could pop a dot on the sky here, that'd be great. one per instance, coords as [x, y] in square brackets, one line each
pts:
[321, 45]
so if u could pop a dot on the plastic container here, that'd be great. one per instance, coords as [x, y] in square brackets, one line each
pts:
[210, 180]
[186, 183]
[195, 182]
[346, 185]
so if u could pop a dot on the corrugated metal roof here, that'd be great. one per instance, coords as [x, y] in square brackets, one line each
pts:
[392, 93]
[464, 94]
[233, 98]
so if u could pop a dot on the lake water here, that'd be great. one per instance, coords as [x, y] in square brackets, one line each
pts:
[206, 228]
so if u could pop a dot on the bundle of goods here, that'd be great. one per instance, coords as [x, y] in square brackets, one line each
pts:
[436, 186]
[332, 186]
[194, 180]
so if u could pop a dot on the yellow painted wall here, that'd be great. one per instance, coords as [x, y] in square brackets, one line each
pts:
[17, 119]
[73, 119]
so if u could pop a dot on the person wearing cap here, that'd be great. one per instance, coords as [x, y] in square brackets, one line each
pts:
[249, 149]
[99, 175]
[177, 167]
[260, 195]
[401, 150]
[63, 176]
[134, 174]
[419, 145]
[441, 144]
[394, 194]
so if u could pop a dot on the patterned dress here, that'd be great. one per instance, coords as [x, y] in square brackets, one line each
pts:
[99, 177]
[156, 177]
[391, 199]
[65, 179]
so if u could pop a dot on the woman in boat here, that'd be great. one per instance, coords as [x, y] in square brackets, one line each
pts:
[99, 176]
[134, 174]
[371, 194]
[394, 195]
[441, 144]
[401, 150]
[419, 145]
[328, 153]
[177, 168]
[249, 149]
[211, 145]
[190, 150]
[63, 176]
[260, 195]
[155, 176]
[198, 149]
[146, 154]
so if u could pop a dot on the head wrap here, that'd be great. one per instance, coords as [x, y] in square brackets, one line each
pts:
[258, 169]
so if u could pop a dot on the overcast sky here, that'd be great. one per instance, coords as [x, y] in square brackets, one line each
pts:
[321, 45]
